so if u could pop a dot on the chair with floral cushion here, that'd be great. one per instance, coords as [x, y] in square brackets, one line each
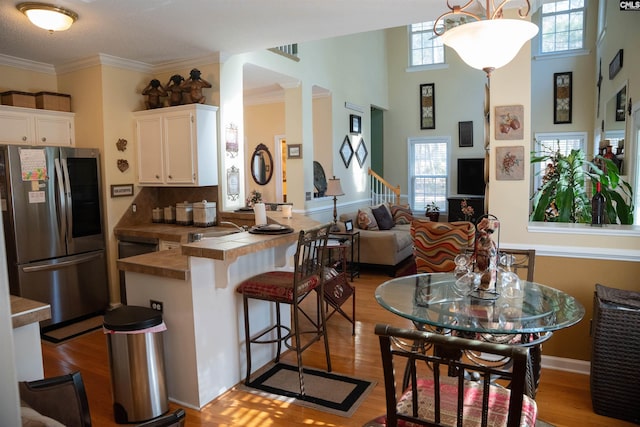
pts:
[449, 389]
[291, 287]
[436, 244]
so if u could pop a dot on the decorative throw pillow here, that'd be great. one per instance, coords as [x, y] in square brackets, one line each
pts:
[401, 214]
[383, 217]
[366, 220]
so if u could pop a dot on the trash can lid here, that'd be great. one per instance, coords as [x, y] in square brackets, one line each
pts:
[131, 318]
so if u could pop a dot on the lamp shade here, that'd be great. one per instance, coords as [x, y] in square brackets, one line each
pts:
[489, 44]
[48, 17]
[334, 188]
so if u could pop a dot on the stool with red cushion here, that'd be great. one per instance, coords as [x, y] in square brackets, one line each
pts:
[291, 287]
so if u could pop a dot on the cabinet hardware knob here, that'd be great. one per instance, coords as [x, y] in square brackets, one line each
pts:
[170, 177]
[157, 176]
[44, 139]
[24, 138]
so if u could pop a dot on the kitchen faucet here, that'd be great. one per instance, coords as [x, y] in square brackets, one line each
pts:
[243, 228]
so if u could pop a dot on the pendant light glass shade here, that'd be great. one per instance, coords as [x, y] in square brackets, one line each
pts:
[48, 17]
[489, 44]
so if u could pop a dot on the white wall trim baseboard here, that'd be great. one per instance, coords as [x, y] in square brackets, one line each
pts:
[568, 365]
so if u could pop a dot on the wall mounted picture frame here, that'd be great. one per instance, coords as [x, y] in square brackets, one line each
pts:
[510, 163]
[621, 101]
[346, 151]
[122, 190]
[509, 122]
[465, 134]
[361, 152]
[427, 106]
[616, 64]
[355, 123]
[562, 97]
[294, 151]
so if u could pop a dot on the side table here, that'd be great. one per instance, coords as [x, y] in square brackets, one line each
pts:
[347, 240]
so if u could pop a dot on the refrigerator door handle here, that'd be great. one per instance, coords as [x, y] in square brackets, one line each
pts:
[67, 183]
[63, 200]
[78, 259]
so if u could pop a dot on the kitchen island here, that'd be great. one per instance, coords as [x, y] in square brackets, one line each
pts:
[204, 341]
[26, 315]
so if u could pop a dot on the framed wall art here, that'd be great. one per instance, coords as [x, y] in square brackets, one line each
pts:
[122, 190]
[621, 100]
[294, 151]
[465, 134]
[616, 64]
[355, 123]
[510, 163]
[361, 152]
[508, 122]
[427, 106]
[562, 95]
[346, 151]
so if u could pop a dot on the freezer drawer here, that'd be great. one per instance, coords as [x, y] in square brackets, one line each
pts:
[75, 286]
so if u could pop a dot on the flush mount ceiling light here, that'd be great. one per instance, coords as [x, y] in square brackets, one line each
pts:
[47, 16]
[487, 42]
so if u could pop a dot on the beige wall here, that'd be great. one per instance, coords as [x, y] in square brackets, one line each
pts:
[261, 124]
[25, 80]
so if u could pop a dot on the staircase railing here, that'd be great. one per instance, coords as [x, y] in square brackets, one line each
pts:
[382, 191]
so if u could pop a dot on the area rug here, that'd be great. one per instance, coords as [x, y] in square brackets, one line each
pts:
[325, 391]
[381, 421]
[59, 335]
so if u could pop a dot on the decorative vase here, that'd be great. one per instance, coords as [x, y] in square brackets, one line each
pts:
[433, 216]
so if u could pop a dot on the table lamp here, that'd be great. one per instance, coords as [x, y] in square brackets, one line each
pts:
[334, 189]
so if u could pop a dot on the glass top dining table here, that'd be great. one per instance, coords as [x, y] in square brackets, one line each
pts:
[436, 300]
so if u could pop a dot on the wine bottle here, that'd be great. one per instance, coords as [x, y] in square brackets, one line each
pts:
[597, 207]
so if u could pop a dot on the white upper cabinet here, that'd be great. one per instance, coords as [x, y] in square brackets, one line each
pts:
[36, 127]
[177, 146]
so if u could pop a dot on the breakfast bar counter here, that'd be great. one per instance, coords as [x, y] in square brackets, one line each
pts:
[204, 342]
[25, 317]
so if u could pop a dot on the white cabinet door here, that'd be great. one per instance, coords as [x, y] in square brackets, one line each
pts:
[179, 148]
[150, 152]
[54, 130]
[38, 127]
[16, 128]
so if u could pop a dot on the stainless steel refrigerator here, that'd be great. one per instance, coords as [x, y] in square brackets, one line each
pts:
[52, 213]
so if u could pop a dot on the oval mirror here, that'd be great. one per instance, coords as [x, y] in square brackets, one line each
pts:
[261, 165]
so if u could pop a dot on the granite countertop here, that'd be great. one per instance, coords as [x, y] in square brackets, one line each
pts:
[174, 263]
[25, 311]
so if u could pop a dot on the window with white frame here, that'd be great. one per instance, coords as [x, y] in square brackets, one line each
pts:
[428, 172]
[562, 26]
[549, 142]
[424, 47]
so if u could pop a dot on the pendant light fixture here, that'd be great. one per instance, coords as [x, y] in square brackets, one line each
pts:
[47, 16]
[488, 42]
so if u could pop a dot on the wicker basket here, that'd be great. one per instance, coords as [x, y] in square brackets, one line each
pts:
[615, 361]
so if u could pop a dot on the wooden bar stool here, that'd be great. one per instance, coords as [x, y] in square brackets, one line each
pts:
[291, 287]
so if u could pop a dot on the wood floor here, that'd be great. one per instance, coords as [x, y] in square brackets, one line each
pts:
[563, 398]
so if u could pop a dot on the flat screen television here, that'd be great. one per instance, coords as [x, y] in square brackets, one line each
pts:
[471, 177]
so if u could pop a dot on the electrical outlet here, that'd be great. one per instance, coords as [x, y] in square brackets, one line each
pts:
[156, 305]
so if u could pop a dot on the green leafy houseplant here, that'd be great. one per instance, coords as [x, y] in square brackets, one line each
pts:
[562, 197]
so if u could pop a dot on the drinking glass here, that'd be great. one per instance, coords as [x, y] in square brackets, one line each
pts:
[509, 281]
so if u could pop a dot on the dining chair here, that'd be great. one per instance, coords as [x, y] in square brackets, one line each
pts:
[436, 244]
[291, 287]
[449, 389]
[524, 260]
[63, 398]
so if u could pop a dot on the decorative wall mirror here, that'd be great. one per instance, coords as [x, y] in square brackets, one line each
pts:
[261, 165]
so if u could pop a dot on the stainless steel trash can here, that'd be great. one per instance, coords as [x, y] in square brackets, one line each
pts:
[136, 359]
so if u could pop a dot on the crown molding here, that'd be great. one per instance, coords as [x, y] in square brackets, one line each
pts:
[25, 64]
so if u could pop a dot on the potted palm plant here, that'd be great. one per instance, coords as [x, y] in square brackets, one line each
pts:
[432, 211]
[562, 197]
